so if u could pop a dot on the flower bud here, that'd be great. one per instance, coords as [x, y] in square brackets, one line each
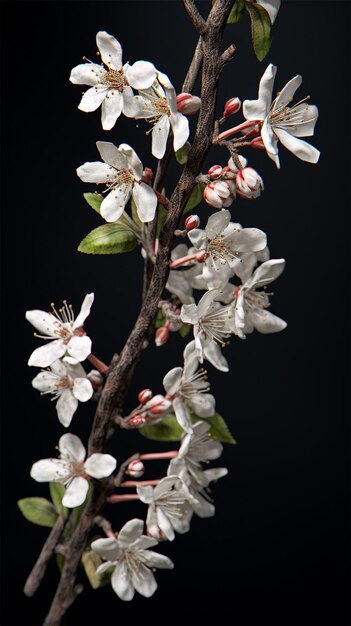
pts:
[136, 421]
[144, 396]
[136, 469]
[258, 143]
[215, 172]
[231, 106]
[250, 130]
[188, 104]
[193, 221]
[161, 335]
[95, 378]
[148, 175]
[249, 183]
[219, 194]
[227, 173]
[158, 405]
[233, 167]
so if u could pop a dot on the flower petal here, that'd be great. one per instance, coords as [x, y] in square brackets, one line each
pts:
[305, 128]
[173, 380]
[159, 135]
[112, 155]
[130, 532]
[141, 74]
[76, 492]
[48, 470]
[189, 314]
[110, 50]
[144, 581]
[206, 302]
[95, 172]
[180, 127]
[45, 382]
[163, 525]
[84, 311]
[108, 548]
[248, 240]
[100, 465]
[270, 142]
[287, 93]
[129, 102]
[82, 389]
[258, 109]
[111, 109]
[265, 322]
[66, 406]
[92, 98]
[154, 559]
[47, 354]
[121, 582]
[133, 159]
[113, 205]
[266, 273]
[300, 148]
[182, 414]
[71, 448]
[217, 223]
[145, 200]
[45, 323]
[85, 74]
[213, 354]
[203, 404]
[79, 347]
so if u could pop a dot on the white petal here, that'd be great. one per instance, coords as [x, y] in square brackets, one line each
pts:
[47, 354]
[248, 240]
[217, 223]
[129, 104]
[95, 172]
[272, 7]
[182, 414]
[141, 74]
[145, 493]
[306, 128]
[154, 559]
[71, 447]
[84, 311]
[180, 127]
[164, 525]
[173, 380]
[110, 50]
[130, 532]
[144, 581]
[270, 141]
[113, 205]
[108, 548]
[266, 273]
[111, 109]
[159, 137]
[203, 404]
[191, 362]
[189, 314]
[145, 200]
[76, 492]
[92, 98]
[85, 74]
[198, 238]
[166, 484]
[82, 389]
[66, 406]
[79, 347]
[133, 159]
[206, 302]
[213, 354]
[100, 465]
[143, 542]
[287, 93]
[45, 382]
[44, 322]
[121, 582]
[265, 322]
[300, 148]
[202, 507]
[45, 471]
[258, 109]
[112, 155]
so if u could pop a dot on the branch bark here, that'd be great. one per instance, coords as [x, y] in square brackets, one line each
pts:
[48, 550]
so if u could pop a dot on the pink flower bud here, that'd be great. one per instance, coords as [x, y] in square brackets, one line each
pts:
[136, 421]
[162, 334]
[136, 469]
[227, 173]
[193, 221]
[158, 405]
[215, 172]
[258, 143]
[249, 131]
[233, 168]
[232, 193]
[144, 396]
[216, 194]
[95, 378]
[188, 104]
[249, 183]
[148, 175]
[231, 106]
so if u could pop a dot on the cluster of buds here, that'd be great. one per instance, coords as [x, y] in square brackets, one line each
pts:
[226, 181]
[220, 194]
[188, 104]
[149, 410]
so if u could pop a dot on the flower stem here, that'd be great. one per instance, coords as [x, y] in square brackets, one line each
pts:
[100, 365]
[115, 499]
[236, 129]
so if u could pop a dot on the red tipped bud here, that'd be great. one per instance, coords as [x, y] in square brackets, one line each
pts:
[220, 193]
[193, 221]
[162, 334]
[231, 106]
[227, 173]
[96, 379]
[233, 168]
[188, 104]
[248, 183]
[144, 396]
[258, 143]
[215, 172]
[136, 421]
[148, 175]
[136, 469]
[158, 405]
[249, 131]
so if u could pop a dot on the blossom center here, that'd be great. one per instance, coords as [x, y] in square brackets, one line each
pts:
[114, 79]
[215, 325]
[219, 250]
[256, 300]
[289, 116]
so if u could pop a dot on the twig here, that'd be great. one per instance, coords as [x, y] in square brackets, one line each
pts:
[37, 574]
[196, 18]
[122, 470]
[106, 526]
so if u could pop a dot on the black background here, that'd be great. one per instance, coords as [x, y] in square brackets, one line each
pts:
[277, 550]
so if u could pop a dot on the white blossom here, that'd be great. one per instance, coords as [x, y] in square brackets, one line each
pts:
[187, 388]
[132, 560]
[224, 243]
[65, 333]
[182, 281]
[250, 305]
[71, 470]
[122, 172]
[169, 507]
[158, 105]
[280, 122]
[111, 84]
[68, 383]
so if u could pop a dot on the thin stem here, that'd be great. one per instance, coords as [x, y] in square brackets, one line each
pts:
[100, 365]
[137, 483]
[155, 456]
[128, 497]
[48, 550]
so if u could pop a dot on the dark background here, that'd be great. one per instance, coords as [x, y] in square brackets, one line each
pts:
[277, 550]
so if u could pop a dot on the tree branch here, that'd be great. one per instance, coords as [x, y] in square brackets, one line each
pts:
[196, 18]
[48, 550]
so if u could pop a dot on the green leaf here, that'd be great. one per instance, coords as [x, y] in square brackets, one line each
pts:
[160, 319]
[161, 218]
[91, 561]
[261, 29]
[236, 12]
[135, 216]
[184, 330]
[182, 154]
[167, 429]
[79, 510]
[219, 429]
[109, 239]
[196, 197]
[38, 511]
[94, 200]
[57, 491]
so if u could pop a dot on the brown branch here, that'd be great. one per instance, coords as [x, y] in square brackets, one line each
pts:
[48, 550]
[228, 54]
[196, 18]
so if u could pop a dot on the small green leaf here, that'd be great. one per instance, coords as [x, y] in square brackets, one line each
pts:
[57, 491]
[161, 218]
[182, 154]
[135, 216]
[261, 29]
[196, 197]
[94, 200]
[236, 12]
[79, 510]
[184, 330]
[38, 511]
[160, 319]
[91, 561]
[219, 429]
[167, 429]
[112, 238]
